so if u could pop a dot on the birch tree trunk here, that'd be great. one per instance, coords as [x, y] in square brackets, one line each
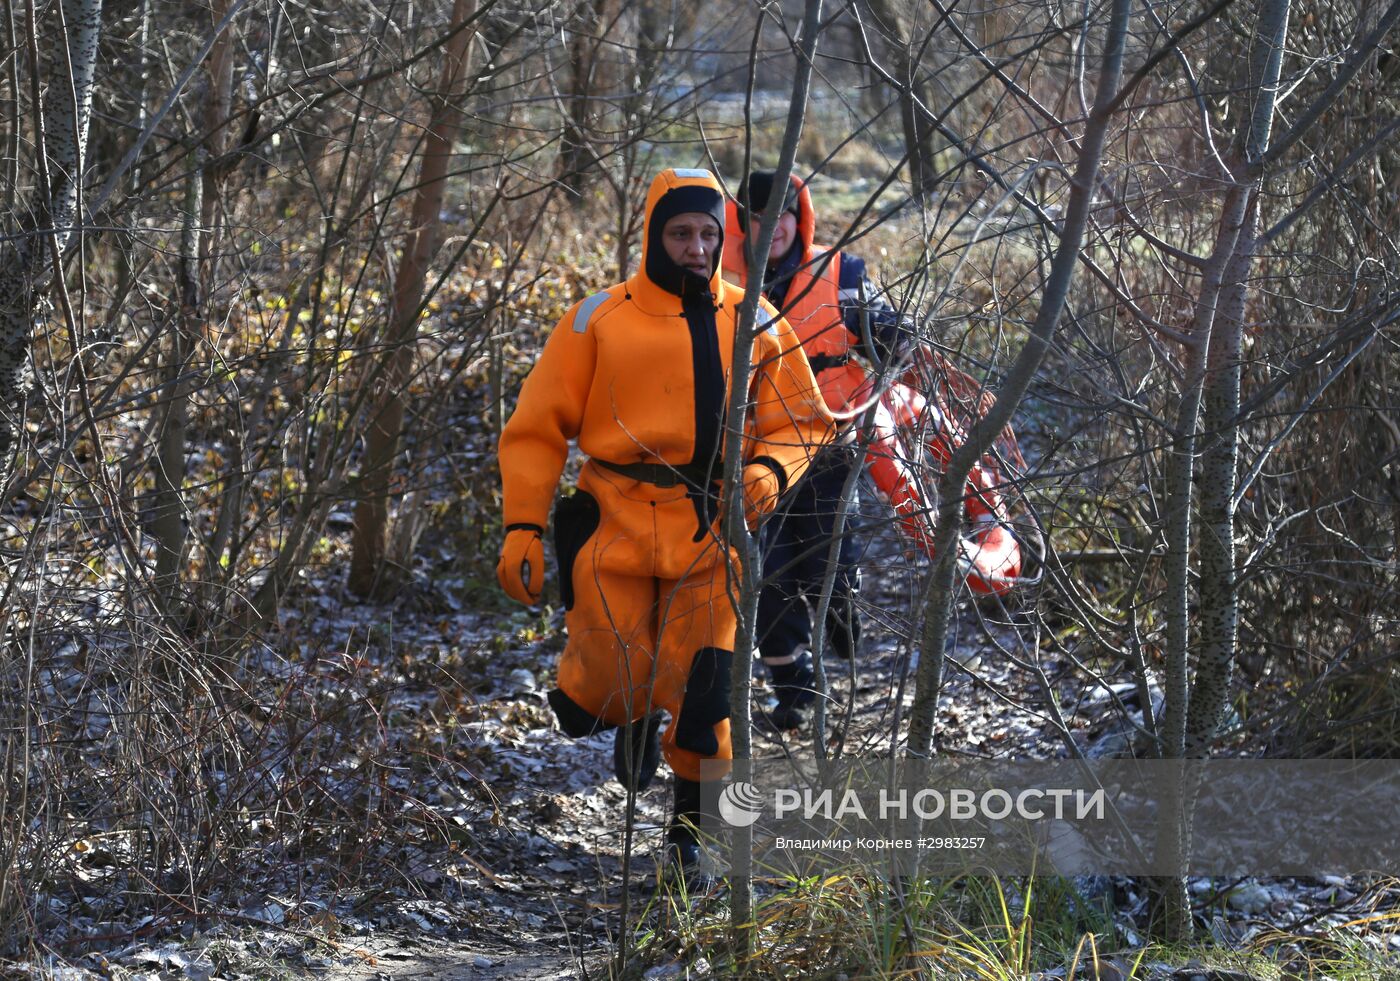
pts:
[368, 573]
[1221, 394]
[1180, 478]
[1219, 573]
[28, 261]
[1193, 710]
[1173, 839]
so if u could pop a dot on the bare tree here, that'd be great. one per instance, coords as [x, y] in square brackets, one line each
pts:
[907, 50]
[38, 238]
[367, 572]
[939, 598]
[735, 532]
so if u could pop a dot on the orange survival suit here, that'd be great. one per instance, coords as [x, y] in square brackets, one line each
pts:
[638, 376]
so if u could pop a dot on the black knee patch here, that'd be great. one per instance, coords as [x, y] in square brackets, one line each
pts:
[576, 518]
[574, 719]
[706, 701]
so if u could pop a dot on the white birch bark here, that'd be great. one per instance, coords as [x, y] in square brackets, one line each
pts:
[27, 262]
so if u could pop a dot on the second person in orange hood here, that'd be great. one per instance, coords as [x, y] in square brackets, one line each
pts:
[823, 293]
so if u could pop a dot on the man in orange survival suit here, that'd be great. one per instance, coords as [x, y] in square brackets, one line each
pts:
[638, 375]
[820, 292]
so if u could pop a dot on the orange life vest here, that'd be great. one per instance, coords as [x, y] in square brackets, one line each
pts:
[813, 304]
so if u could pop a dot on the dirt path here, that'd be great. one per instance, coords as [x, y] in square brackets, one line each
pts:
[498, 846]
[501, 846]
[542, 882]
[436, 960]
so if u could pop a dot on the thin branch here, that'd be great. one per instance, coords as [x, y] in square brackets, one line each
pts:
[1354, 64]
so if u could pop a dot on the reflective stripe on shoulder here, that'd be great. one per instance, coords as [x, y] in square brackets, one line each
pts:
[586, 310]
[687, 172]
[827, 263]
[765, 319]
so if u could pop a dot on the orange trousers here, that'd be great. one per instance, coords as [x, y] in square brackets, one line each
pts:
[637, 644]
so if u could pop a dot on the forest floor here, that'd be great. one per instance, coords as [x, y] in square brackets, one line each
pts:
[502, 852]
[421, 815]
[497, 848]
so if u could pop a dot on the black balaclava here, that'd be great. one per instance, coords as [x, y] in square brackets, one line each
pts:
[661, 269]
[698, 305]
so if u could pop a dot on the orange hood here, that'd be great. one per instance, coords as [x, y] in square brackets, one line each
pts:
[674, 192]
[736, 225]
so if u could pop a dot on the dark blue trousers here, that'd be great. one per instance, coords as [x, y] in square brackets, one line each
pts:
[796, 544]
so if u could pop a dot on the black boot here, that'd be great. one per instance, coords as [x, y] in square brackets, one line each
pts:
[637, 752]
[683, 839]
[843, 627]
[792, 684]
